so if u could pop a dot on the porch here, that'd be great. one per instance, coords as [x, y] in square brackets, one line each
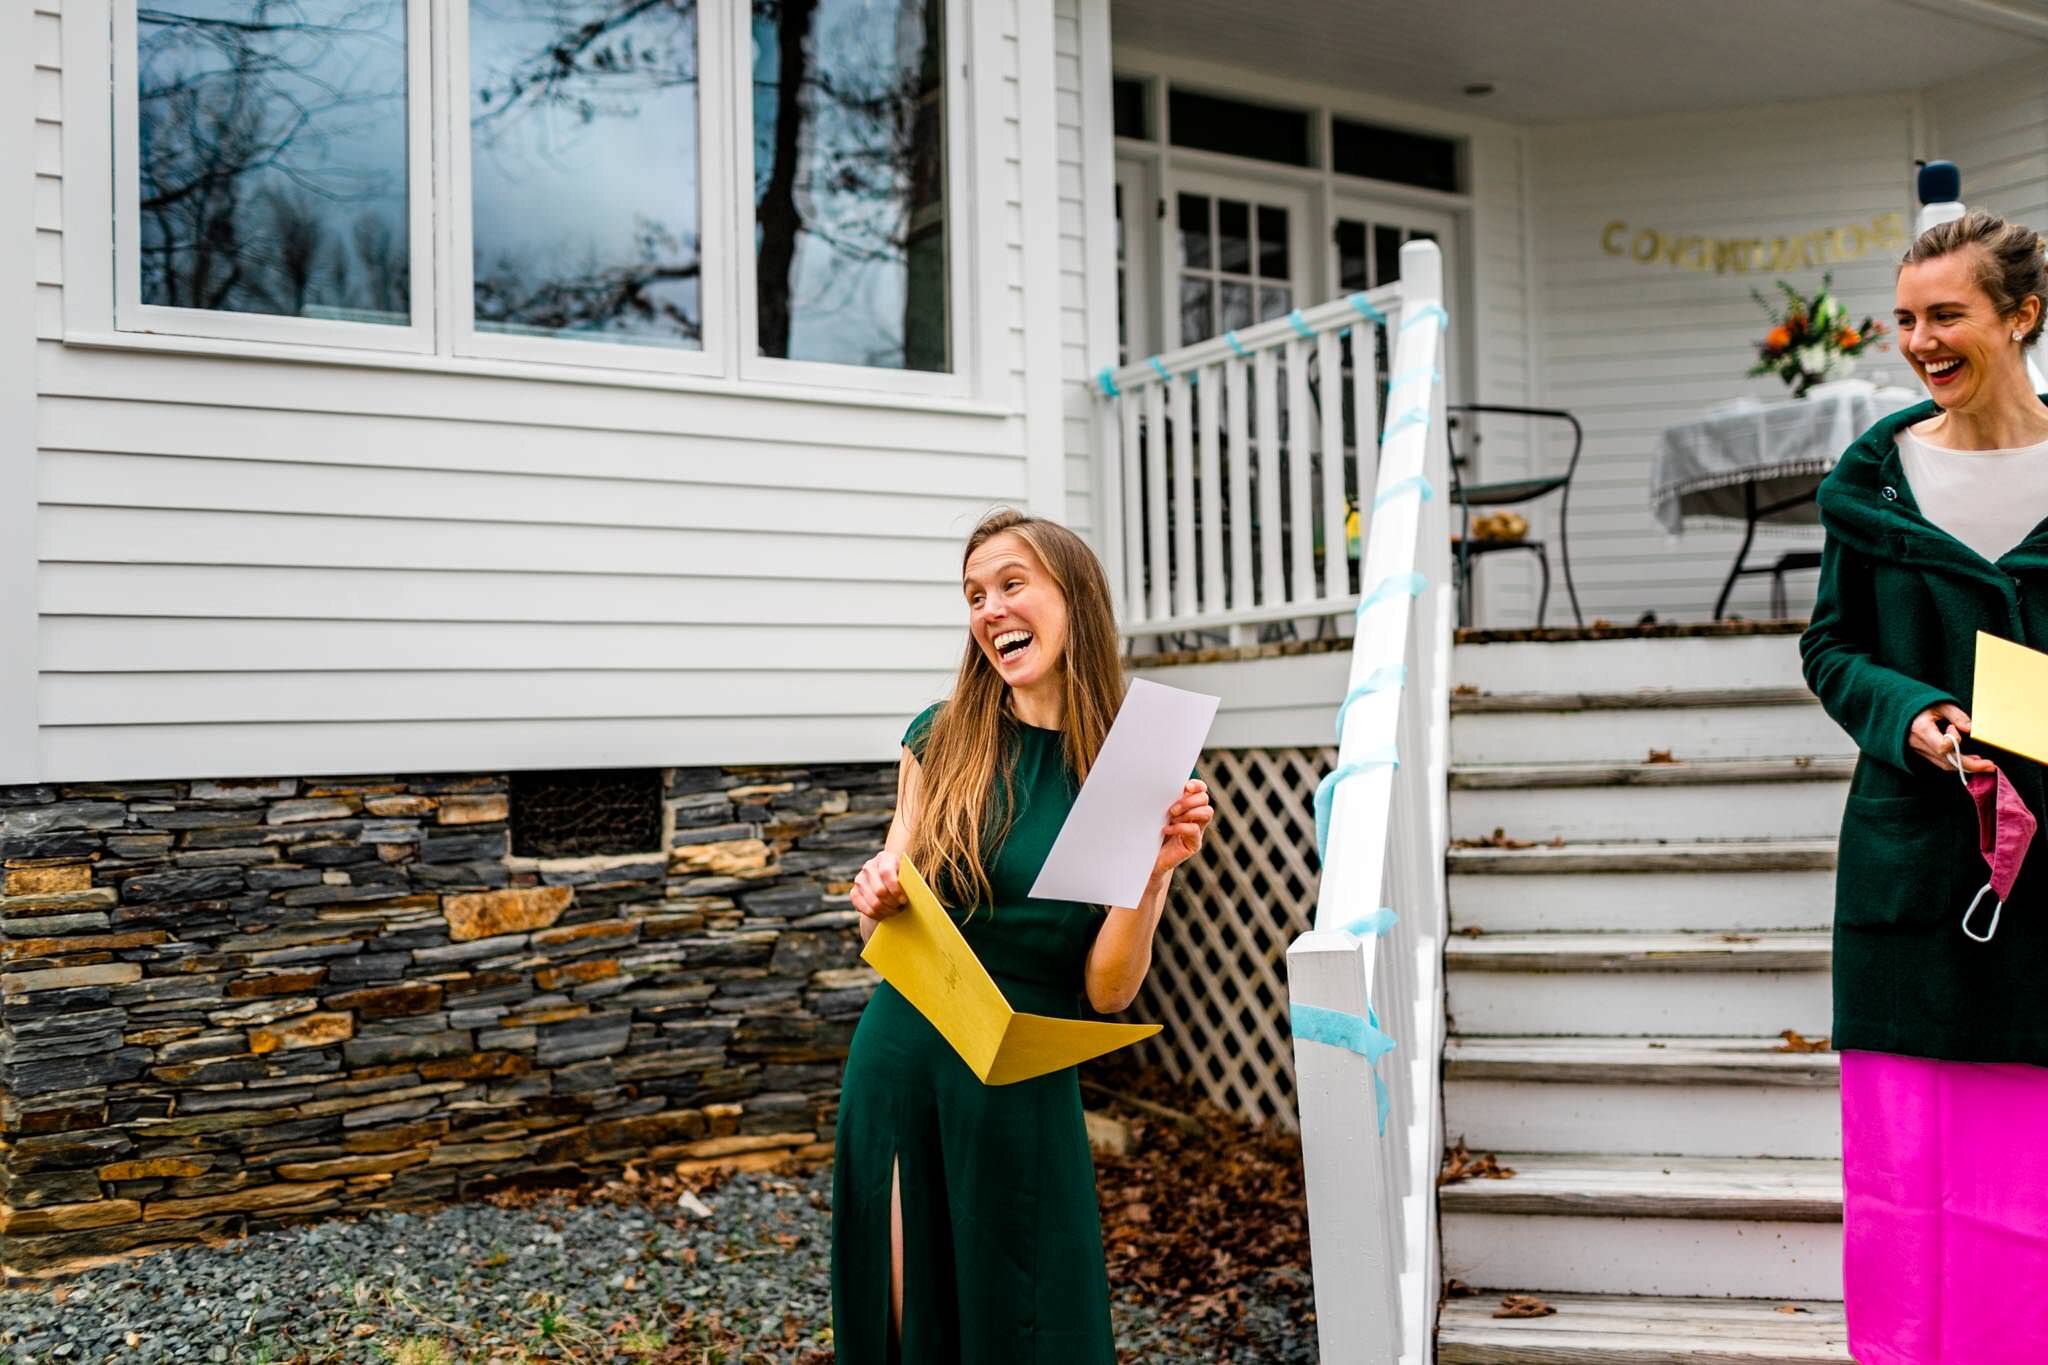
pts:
[1600, 201]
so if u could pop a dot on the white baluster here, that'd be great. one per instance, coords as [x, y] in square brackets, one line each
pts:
[1207, 398]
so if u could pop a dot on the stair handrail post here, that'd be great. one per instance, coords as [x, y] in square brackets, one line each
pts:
[1361, 978]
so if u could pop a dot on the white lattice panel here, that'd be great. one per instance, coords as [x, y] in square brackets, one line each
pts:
[1219, 964]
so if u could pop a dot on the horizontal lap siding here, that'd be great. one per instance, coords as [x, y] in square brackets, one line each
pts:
[251, 567]
[1995, 128]
[1633, 348]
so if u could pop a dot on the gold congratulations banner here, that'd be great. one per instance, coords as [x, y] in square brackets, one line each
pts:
[1829, 246]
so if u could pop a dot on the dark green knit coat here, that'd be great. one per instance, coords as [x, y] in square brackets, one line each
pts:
[1894, 631]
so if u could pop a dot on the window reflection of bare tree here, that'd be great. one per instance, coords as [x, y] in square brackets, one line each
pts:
[585, 61]
[263, 125]
[850, 151]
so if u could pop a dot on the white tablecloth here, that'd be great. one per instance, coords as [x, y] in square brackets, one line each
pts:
[1782, 448]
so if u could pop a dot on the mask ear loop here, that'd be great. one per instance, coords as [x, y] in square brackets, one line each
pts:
[1955, 756]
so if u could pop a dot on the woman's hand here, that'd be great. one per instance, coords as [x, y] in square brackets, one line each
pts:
[1186, 821]
[1928, 740]
[876, 892]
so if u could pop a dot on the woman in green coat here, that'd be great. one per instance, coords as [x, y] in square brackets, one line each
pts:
[1937, 528]
[964, 1222]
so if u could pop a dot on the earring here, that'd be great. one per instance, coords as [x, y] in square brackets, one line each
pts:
[2019, 336]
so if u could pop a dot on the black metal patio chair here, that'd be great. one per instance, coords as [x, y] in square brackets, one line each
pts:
[1510, 493]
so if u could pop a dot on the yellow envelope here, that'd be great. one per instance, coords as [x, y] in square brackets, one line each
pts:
[2010, 705]
[922, 954]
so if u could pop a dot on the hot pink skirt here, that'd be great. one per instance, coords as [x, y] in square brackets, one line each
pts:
[1945, 1184]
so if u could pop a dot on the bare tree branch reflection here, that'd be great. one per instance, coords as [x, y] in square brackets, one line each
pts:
[262, 124]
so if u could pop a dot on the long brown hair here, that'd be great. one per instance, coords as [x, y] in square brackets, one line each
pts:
[963, 754]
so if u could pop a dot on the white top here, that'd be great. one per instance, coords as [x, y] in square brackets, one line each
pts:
[1987, 499]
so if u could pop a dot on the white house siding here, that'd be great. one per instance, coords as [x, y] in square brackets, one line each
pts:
[1632, 348]
[1995, 127]
[256, 566]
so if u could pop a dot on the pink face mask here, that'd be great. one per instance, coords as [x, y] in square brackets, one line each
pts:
[2005, 827]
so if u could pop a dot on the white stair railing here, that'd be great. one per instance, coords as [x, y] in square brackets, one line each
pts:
[1228, 470]
[1365, 983]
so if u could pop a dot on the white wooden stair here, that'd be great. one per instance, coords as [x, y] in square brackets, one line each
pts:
[1641, 885]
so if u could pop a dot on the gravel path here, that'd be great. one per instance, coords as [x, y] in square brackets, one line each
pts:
[557, 1279]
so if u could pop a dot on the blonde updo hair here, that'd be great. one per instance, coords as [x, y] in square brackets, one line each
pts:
[2008, 264]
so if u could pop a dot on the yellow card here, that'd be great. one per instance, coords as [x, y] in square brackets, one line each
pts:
[2010, 705]
[922, 954]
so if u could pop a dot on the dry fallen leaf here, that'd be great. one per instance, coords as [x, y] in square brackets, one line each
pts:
[1523, 1306]
[1794, 1043]
[1461, 1164]
[1458, 1289]
[1660, 756]
[1791, 1308]
[1497, 839]
[1740, 938]
[1465, 690]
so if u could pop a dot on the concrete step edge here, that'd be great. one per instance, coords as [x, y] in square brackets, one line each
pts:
[1730, 855]
[1639, 1061]
[1707, 772]
[1636, 699]
[1745, 1189]
[1599, 1329]
[1763, 951]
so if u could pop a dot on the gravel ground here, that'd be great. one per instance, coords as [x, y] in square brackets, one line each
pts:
[638, 1277]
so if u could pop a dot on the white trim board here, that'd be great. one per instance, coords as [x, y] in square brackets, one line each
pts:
[18, 716]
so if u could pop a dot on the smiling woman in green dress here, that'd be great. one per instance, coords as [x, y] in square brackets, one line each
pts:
[964, 1222]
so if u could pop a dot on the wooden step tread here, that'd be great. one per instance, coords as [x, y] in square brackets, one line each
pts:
[1778, 951]
[1638, 699]
[1771, 1189]
[1640, 1061]
[1611, 1329]
[1708, 772]
[1728, 855]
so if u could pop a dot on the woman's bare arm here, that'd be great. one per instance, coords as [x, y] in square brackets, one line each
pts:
[1122, 953]
[876, 893]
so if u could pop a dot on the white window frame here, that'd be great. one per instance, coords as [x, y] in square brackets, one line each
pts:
[131, 314]
[714, 152]
[102, 271]
[961, 40]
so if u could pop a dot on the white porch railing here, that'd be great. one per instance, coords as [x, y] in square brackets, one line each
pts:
[1229, 468]
[1365, 983]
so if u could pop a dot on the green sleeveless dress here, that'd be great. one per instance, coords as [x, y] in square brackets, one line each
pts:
[1002, 1240]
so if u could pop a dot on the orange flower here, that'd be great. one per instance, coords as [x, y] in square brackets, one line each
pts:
[1779, 338]
[1847, 337]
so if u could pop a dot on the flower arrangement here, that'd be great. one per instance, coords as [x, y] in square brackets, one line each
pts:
[1812, 338]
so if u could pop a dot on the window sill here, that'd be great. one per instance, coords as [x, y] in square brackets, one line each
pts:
[585, 376]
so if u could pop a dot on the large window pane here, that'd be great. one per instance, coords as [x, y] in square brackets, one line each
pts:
[583, 151]
[272, 157]
[850, 182]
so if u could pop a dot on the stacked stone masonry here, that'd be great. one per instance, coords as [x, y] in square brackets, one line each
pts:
[230, 1005]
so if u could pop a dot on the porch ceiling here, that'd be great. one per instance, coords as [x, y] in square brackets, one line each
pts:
[1562, 61]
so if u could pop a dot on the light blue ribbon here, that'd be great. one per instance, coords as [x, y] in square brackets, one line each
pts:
[1393, 675]
[1159, 368]
[1301, 327]
[1410, 584]
[1414, 483]
[1420, 372]
[1375, 922]
[1335, 1028]
[1421, 315]
[1326, 790]
[1365, 308]
[1414, 417]
[1236, 345]
[1108, 382]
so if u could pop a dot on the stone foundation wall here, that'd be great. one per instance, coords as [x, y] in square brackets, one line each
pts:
[236, 1004]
